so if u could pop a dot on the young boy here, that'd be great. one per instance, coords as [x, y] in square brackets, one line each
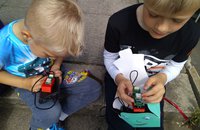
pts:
[51, 30]
[163, 31]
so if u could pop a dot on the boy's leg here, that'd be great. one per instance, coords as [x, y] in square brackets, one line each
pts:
[40, 118]
[113, 120]
[79, 94]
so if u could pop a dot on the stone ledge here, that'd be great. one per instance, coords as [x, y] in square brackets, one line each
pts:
[10, 98]
[194, 80]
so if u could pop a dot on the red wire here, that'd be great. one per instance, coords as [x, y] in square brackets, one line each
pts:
[177, 107]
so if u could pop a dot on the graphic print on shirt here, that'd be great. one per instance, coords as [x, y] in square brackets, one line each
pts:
[36, 66]
[152, 64]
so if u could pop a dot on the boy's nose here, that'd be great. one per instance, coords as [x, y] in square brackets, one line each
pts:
[162, 26]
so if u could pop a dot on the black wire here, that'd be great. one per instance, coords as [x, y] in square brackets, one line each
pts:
[135, 77]
[35, 103]
[56, 94]
[36, 83]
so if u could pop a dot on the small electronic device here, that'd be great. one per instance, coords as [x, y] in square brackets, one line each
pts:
[48, 84]
[49, 88]
[138, 105]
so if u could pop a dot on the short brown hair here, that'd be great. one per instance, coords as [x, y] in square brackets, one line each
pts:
[58, 24]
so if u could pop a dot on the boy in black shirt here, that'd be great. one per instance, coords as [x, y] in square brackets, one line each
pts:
[163, 31]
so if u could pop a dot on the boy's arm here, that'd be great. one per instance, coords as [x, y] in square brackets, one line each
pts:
[57, 64]
[173, 69]
[12, 80]
[56, 68]
[20, 82]
[158, 81]
[109, 58]
[124, 86]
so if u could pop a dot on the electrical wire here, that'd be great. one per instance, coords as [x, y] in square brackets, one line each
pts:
[54, 96]
[36, 83]
[135, 77]
[177, 107]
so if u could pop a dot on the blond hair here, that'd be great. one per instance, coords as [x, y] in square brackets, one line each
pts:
[57, 24]
[173, 6]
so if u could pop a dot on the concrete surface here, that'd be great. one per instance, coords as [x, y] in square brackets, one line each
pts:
[194, 79]
[195, 56]
[14, 115]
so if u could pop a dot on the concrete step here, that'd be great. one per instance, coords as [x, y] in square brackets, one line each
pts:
[18, 118]
[14, 118]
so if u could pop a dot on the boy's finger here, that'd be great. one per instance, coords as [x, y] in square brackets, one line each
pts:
[152, 99]
[127, 99]
[58, 73]
[124, 96]
[150, 92]
[149, 84]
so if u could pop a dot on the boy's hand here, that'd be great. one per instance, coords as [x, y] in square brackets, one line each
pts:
[57, 72]
[29, 82]
[155, 84]
[124, 88]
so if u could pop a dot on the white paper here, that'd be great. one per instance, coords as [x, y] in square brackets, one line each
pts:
[128, 64]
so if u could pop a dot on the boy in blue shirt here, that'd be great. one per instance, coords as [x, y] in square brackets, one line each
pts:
[160, 30]
[51, 30]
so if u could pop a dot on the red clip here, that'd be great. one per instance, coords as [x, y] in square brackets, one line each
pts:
[48, 84]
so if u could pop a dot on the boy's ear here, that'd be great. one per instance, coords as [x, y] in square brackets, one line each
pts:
[26, 35]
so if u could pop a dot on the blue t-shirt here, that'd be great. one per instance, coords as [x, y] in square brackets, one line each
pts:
[16, 57]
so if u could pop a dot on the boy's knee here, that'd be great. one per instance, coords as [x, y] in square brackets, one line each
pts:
[94, 88]
[48, 116]
[96, 93]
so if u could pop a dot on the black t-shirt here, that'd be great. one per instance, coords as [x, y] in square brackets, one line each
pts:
[124, 31]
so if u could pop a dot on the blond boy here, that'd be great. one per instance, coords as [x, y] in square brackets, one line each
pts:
[161, 30]
[51, 31]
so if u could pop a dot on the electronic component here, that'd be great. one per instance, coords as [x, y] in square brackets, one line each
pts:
[48, 84]
[138, 105]
[49, 88]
